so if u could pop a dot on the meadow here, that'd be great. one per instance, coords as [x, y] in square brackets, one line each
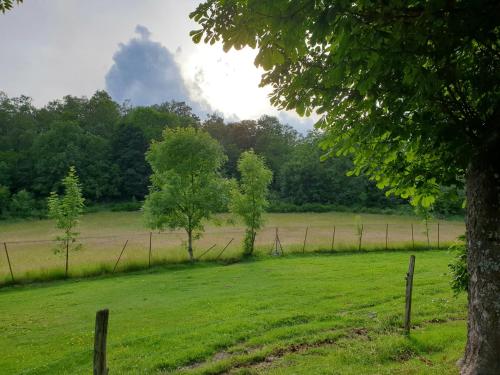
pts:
[303, 313]
[31, 244]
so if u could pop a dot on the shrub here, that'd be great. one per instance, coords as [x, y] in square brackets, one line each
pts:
[458, 267]
[4, 200]
[23, 204]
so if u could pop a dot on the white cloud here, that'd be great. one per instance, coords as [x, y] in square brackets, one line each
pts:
[62, 47]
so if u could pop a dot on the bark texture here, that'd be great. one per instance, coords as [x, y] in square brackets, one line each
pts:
[482, 354]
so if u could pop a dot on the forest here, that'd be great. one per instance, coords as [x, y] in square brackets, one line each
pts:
[106, 142]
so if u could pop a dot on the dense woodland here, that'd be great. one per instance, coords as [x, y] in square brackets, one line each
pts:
[106, 142]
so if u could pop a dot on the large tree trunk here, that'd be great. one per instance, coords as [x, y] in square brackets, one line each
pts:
[482, 354]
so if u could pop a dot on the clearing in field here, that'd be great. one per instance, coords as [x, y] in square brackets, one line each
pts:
[311, 313]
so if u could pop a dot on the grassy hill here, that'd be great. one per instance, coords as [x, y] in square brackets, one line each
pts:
[299, 314]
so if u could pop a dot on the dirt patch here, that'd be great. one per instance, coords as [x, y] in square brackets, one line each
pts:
[357, 332]
[297, 348]
[427, 361]
[220, 356]
[276, 354]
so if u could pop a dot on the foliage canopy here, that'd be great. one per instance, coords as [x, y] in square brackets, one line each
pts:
[186, 184]
[409, 89]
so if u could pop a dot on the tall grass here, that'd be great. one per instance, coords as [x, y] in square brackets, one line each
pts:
[178, 258]
[103, 235]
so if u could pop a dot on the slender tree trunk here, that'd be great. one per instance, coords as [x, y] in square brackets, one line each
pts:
[190, 245]
[482, 353]
[67, 258]
[254, 234]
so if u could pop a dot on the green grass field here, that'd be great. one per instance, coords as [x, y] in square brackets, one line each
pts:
[298, 314]
[103, 235]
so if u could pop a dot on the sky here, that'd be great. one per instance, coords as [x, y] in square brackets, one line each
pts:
[136, 50]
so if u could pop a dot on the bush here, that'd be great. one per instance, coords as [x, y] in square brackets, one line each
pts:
[126, 206]
[4, 201]
[132, 205]
[458, 267]
[24, 205]
[284, 207]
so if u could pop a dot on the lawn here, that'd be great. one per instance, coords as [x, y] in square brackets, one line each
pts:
[300, 314]
[103, 235]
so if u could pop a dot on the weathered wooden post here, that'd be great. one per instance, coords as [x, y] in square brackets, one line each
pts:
[8, 261]
[225, 247]
[305, 239]
[120, 257]
[278, 242]
[101, 332]
[333, 237]
[409, 288]
[206, 251]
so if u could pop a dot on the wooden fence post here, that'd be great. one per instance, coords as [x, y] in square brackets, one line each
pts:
[101, 332]
[386, 235]
[8, 261]
[409, 289]
[120, 257]
[150, 240]
[305, 239]
[278, 242]
[225, 247]
[333, 237]
[206, 251]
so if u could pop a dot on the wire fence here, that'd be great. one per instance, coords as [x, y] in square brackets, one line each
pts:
[45, 258]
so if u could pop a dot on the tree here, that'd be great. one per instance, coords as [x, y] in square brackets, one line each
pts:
[305, 178]
[8, 4]
[66, 144]
[66, 210]
[249, 199]
[186, 184]
[411, 90]
[152, 120]
[4, 200]
[100, 115]
[18, 130]
[267, 136]
[22, 204]
[128, 149]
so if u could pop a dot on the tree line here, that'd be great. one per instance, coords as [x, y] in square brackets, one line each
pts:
[106, 142]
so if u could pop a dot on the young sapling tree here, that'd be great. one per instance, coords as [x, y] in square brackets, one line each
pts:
[249, 198]
[66, 210]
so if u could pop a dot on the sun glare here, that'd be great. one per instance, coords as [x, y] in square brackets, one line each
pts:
[229, 82]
